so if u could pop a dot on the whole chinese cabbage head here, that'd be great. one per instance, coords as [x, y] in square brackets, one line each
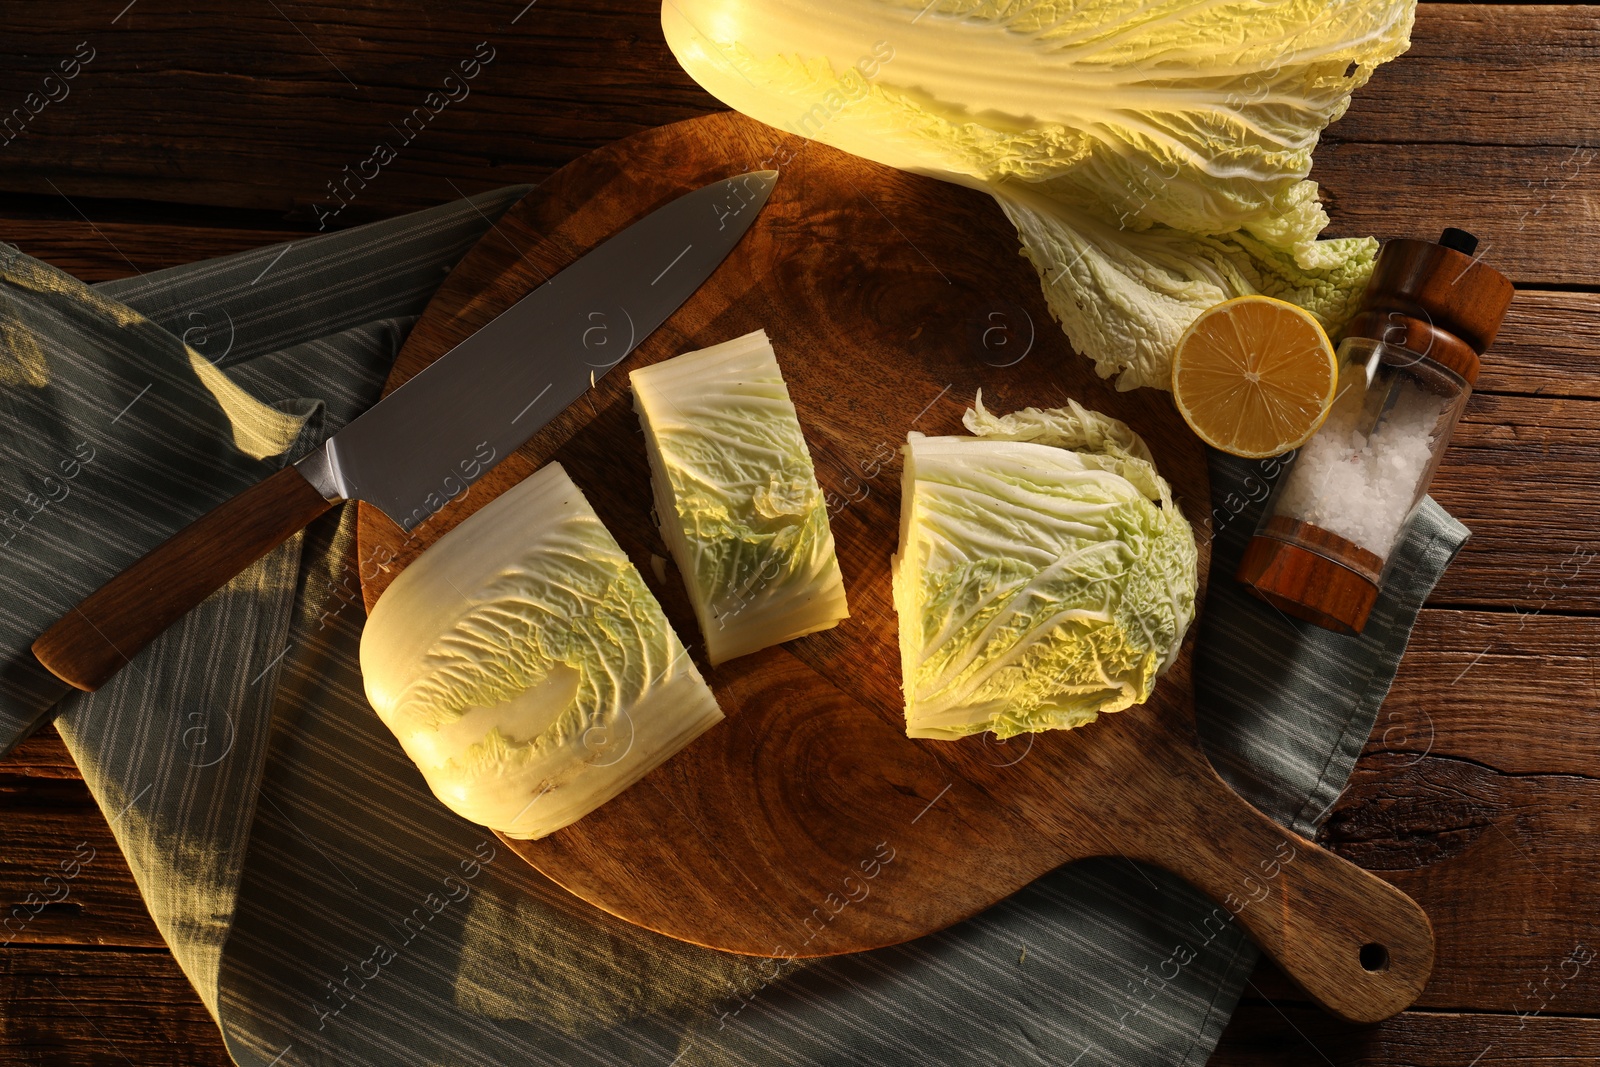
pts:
[1153, 155]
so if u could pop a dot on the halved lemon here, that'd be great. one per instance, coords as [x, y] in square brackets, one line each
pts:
[1254, 376]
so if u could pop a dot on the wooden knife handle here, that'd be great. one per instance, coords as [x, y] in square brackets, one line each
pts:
[1359, 946]
[95, 640]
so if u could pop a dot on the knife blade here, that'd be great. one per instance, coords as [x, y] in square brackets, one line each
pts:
[421, 447]
[424, 444]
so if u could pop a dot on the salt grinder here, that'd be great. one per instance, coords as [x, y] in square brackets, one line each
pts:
[1407, 363]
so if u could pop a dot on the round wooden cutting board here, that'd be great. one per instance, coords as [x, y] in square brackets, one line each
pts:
[807, 823]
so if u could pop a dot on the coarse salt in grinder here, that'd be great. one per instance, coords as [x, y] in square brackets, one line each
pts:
[1407, 363]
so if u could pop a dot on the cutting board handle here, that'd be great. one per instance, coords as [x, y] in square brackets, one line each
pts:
[1360, 947]
[96, 639]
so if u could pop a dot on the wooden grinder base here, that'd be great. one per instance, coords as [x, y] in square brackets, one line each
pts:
[807, 823]
[1312, 574]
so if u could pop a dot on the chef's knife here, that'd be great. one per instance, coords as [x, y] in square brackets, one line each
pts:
[424, 444]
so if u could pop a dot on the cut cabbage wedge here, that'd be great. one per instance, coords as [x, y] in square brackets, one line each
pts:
[737, 497]
[1044, 574]
[525, 667]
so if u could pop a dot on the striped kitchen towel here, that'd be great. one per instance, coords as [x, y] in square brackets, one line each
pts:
[329, 911]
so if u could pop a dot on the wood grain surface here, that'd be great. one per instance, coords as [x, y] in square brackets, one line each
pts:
[208, 128]
[876, 288]
[1266, 1035]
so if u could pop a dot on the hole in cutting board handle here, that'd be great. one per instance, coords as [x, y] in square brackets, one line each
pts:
[1374, 957]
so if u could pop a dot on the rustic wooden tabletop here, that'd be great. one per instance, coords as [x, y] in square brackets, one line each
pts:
[199, 129]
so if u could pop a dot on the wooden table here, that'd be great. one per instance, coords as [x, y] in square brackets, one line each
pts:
[201, 129]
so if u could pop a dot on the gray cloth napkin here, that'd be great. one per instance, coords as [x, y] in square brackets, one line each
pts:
[329, 911]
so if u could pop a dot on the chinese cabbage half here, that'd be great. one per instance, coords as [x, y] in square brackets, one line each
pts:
[525, 667]
[1151, 154]
[1044, 574]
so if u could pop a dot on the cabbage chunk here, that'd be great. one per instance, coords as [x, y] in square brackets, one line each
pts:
[1044, 574]
[524, 666]
[737, 497]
